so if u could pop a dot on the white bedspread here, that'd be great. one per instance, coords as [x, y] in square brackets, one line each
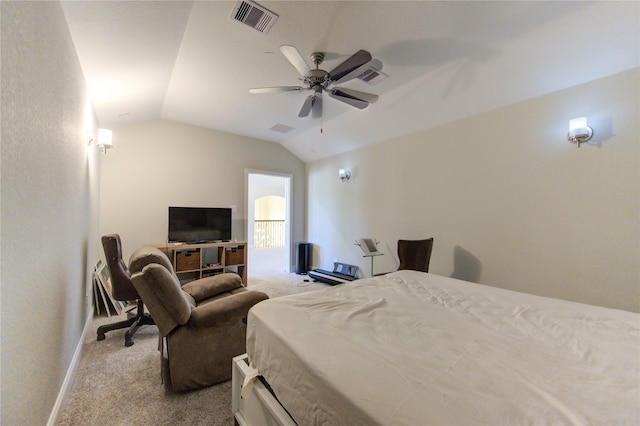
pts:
[415, 349]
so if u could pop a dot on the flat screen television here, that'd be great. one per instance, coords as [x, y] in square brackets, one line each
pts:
[199, 224]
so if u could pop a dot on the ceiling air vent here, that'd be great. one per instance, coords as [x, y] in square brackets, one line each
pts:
[281, 128]
[253, 16]
[372, 75]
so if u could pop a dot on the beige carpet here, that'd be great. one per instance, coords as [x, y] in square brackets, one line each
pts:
[116, 385]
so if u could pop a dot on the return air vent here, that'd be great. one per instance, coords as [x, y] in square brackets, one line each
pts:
[254, 16]
[372, 76]
[281, 128]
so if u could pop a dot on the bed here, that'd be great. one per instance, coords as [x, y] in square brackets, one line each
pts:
[413, 348]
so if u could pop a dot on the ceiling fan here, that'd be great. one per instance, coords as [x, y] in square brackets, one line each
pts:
[319, 80]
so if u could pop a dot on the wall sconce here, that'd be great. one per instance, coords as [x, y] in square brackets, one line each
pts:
[344, 175]
[579, 132]
[105, 139]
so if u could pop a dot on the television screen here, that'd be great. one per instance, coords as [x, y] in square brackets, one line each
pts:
[199, 224]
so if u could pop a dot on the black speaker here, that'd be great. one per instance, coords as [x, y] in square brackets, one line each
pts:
[303, 257]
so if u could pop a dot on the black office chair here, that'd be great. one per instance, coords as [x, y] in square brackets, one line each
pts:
[123, 290]
[415, 254]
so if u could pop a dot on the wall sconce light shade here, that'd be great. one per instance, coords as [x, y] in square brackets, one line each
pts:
[579, 131]
[344, 175]
[105, 139]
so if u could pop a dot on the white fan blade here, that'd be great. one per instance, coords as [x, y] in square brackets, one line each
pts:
[353, 97]
[356, 94]
[353, 102]
[298, 62]
[355, 61]
[276, 89]
[374, 63]
[316, 109]
[306, 106]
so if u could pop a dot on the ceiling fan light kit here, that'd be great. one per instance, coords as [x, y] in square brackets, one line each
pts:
[359, 65]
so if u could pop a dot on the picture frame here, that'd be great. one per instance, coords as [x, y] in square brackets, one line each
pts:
[104, 276]
[102, 287]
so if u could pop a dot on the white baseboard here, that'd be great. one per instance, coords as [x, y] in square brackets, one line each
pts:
[71, 372]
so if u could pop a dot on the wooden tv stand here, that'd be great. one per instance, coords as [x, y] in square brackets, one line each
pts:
[195, 261]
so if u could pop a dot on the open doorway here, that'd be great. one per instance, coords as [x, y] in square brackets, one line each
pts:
[268, 223]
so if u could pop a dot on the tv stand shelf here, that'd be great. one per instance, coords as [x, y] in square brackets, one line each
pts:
[195, 261]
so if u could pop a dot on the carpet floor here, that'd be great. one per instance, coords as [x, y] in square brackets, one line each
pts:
[118, 385]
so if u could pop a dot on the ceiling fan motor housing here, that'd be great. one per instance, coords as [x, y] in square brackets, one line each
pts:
[317, 58]
[317, 78]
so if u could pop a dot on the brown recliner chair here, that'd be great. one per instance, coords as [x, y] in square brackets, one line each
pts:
[415, 254]
[203, 322]
[123, 290]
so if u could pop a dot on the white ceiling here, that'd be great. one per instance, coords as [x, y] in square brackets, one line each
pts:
[188, 62]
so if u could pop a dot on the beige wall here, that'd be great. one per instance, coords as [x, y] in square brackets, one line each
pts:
[158, 164]
[49, 213]
[509, 201]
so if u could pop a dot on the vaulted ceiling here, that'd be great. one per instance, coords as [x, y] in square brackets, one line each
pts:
[189, 62]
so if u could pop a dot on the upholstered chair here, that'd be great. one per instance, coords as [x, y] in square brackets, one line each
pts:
[415, 254]
[202, 322]
[122, 290]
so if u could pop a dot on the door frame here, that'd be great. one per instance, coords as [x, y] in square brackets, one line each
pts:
[288, 232]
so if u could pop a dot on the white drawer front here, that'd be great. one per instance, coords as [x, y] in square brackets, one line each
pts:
[260, 407]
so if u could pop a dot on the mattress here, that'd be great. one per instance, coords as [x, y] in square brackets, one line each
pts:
[416, 348]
